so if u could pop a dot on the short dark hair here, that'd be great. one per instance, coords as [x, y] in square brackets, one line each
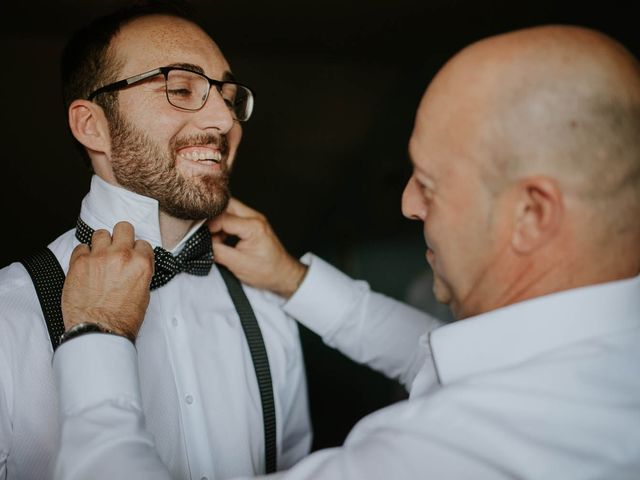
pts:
[87, 62]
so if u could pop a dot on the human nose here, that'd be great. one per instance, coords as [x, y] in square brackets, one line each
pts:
[215, 113]
[413, 204]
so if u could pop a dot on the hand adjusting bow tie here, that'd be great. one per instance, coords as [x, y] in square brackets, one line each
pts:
[195, 258]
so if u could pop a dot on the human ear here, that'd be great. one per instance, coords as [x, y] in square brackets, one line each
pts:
[539, 213]
[89, 125]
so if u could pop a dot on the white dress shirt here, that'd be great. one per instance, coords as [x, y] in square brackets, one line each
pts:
[544, 389]
[198, 390]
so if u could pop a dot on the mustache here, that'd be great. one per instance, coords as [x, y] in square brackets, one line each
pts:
[218, 141]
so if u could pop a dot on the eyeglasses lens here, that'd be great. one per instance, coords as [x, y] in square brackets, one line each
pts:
[190, 90]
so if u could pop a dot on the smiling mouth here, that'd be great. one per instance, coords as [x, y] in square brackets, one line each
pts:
[201, 154]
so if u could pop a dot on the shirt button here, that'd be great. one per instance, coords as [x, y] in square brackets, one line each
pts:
[174, 321]
[188, 399]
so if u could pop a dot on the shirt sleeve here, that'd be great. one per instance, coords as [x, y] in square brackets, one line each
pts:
[100, 410]
[399, 442]
[103, 434]
[102, 422]
[368, 327]
[5, 425]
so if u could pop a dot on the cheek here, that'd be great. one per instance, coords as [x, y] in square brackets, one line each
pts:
[233, 137]
[454, 231]
[156, 119]
[476, 243]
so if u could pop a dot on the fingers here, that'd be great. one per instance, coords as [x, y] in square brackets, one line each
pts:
[236, 207]
[238, 220]
[239, 226]
[219, 237]
[144, 248]
[226, 255]
[123, 235]
[110, 285]
[100, 240]
[80, 250]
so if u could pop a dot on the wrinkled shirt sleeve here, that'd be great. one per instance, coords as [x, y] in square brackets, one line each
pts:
[104, 437]
[102, 425]
[5, 424]
[368, 327]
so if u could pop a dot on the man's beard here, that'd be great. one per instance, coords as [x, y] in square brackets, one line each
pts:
[140, 165]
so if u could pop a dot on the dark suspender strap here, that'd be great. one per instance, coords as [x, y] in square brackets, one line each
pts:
[48, 278]
[260, 363]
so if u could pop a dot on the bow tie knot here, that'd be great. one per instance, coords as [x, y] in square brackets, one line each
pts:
[196, 258]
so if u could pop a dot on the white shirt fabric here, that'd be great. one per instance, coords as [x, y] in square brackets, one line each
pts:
[198, 390]
[546, 388]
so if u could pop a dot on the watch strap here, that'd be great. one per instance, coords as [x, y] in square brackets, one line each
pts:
[83, 328]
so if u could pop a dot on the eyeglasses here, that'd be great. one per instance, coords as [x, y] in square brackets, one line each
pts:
[189, 90]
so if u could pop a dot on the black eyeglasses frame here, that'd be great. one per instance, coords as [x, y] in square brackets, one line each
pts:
[127, 82]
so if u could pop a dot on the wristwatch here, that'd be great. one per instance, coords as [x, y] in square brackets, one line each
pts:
[87, 327]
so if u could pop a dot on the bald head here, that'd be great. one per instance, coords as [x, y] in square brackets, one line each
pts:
[559, 101]
[566, 102]
[526, 153]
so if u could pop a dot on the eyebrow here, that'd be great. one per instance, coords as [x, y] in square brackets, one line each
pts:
[227, 76]
[424, 176]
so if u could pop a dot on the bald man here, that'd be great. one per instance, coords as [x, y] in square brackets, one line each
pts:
[526, 156]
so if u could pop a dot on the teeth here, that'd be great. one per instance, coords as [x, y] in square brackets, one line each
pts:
[202, 155]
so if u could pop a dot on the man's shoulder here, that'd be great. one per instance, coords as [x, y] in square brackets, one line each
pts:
[21, 319]
[15, 286]
[14, 278]
[20, 310]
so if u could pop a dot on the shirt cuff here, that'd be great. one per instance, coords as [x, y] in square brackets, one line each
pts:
[324, 296]
[95, 368]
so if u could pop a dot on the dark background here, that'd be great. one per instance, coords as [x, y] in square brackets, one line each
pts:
[324, 156]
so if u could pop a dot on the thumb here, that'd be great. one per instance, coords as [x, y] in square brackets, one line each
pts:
[227, 256]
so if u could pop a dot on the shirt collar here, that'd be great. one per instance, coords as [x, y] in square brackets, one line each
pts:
[519, 332]
[106, 204]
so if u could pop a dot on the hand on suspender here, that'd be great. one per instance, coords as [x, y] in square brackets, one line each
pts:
[107, 291]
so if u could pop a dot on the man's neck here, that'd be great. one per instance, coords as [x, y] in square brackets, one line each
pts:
[173, 230]
[546, 275]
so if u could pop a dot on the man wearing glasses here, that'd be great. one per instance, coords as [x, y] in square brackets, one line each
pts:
[527, 183]
[156, 111]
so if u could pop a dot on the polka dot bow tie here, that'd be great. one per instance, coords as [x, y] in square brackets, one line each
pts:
[195, 258]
